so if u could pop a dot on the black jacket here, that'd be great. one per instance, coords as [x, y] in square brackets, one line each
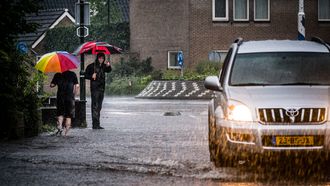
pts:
[100, 70]
[65, 82]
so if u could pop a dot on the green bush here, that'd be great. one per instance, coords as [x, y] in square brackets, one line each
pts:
[202, 70]
[208, 68]
[141, 73]
[129, 77]
[47, 128]
[130, 85]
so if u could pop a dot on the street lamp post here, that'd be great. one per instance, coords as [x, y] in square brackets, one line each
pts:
[82, 19]
[82, 57]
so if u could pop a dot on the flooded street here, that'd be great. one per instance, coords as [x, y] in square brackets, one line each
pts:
[145, 142]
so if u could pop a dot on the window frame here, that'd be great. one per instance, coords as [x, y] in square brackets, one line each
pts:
[318, 13]
[169, 59]
[220, 18]
[254, 13]
[247, 11]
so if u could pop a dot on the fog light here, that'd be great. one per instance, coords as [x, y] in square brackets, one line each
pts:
[239, 137]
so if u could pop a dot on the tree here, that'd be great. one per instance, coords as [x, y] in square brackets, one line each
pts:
[18, 100]
[105, 12]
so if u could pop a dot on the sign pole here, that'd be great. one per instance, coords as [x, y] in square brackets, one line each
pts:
[180, 62]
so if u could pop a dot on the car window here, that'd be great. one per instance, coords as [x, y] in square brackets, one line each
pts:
[284, 68]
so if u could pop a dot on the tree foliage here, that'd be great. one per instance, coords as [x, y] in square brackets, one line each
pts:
[101, 13]
[65, 38]
[17, 95]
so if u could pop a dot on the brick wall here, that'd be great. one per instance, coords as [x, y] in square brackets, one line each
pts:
[219, 35]
[154, 29]
[158, 26]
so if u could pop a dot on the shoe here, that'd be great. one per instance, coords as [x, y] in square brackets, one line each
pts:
[98, 127]
[59, 132]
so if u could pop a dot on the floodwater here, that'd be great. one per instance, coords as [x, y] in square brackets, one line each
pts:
[145, 142]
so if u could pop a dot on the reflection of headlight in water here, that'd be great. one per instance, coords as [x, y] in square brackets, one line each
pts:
[239, 113]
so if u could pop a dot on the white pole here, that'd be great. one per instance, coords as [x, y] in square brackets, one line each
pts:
[301, 21]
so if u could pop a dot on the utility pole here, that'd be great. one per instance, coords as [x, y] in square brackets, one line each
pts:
[301, 21]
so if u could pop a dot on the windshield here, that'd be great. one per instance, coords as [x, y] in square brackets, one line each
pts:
[284, 68]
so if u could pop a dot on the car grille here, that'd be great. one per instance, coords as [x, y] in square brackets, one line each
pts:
[290, 116]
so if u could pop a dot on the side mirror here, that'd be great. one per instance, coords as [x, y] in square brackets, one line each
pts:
[212, 83]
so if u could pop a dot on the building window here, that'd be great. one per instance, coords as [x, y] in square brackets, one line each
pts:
[172, 60]
[241, 10]
[261, 10]
[217, 56]
[324, 10]
[220, 10]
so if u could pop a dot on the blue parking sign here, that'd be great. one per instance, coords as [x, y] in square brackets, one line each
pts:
[22, 47]
[180, 58]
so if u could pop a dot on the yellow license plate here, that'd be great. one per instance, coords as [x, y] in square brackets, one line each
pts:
[294, 140]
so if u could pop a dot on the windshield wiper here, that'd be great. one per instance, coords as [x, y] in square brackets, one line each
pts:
[251, 84]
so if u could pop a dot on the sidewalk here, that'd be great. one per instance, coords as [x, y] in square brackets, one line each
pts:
[176, 89]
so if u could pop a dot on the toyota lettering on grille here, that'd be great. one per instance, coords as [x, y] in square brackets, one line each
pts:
[292, 113]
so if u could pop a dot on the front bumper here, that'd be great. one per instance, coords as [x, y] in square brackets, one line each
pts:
[254, 137]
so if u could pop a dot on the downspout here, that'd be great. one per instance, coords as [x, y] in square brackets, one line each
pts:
[301, 21]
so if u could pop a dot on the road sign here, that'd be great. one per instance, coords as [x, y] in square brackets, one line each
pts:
[84, 30]
[22, 47]
[180, 58]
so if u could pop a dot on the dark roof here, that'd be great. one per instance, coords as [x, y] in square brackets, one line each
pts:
[44, 18]
[51, 10]
[59, 4]
[123, 5]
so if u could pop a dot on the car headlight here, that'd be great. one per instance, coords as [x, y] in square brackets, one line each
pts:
[239, 112]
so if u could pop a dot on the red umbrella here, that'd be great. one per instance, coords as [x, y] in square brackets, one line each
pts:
[93, 47]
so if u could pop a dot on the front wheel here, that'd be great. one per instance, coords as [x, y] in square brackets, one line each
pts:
[218, 147]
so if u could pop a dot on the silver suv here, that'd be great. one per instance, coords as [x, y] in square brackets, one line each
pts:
[271, 96]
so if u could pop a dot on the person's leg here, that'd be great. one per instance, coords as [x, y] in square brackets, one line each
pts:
[100, 102]
[60, 115]
[94, 108]
[69, 113]
[97, 106]
[67, 125]
[60, 122]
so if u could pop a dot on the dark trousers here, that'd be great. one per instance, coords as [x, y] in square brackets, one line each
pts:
[97, 99]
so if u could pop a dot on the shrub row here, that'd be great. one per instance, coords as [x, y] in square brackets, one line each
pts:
[132, 76]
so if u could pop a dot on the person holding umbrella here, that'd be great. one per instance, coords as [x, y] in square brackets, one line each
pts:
[95, 72]
[66, 81]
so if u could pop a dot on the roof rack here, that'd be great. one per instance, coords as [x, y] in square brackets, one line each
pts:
[239, 41]
[321, 41]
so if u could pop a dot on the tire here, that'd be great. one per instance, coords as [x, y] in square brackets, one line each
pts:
[212, 145]
[219, 153]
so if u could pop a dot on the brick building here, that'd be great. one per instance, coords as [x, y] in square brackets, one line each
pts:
[204, 29]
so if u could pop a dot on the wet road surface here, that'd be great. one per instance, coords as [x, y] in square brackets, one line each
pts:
[145, 142]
